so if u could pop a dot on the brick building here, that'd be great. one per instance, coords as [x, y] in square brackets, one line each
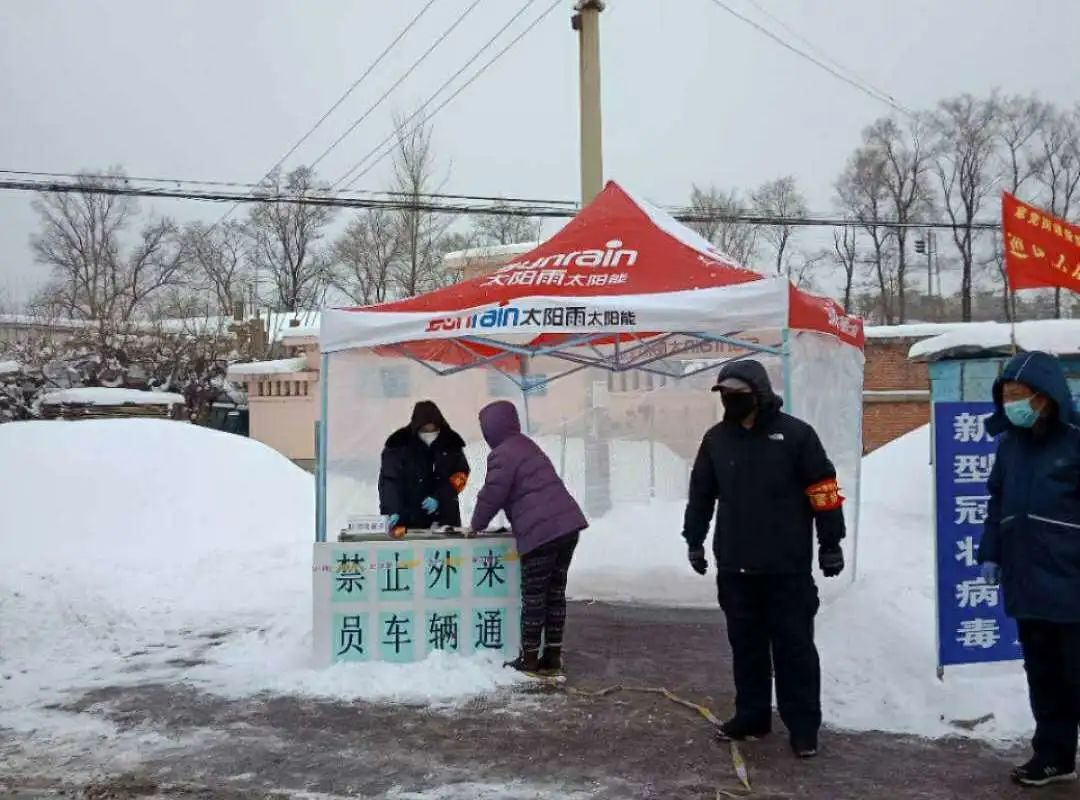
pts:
[896, 390]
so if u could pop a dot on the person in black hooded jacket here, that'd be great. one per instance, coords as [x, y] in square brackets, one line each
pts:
[1031, 544]
[424, 469]
[765, 478]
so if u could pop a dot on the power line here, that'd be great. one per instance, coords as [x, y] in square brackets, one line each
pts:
[819, 52]
[435, 206]
[180, 183]
[445, 35]
[371, 68]
[438, 91]
[870, 92]
[449, 99]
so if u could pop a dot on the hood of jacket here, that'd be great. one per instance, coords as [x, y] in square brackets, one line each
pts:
[754, 373]
[1040, 372]
[498, 422]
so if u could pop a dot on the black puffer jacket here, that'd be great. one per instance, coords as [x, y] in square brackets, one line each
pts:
[756, 482]
[412, 471]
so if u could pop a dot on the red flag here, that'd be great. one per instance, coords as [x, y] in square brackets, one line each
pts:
[1041, 251]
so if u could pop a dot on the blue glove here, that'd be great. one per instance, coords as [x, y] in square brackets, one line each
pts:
[392, 521]
[991, 573]
[430, 505]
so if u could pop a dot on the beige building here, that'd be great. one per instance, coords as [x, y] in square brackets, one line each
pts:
[283, 396]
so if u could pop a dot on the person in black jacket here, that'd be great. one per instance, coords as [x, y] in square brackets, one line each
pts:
[1031, 544]
[423, 471]
[766, 478]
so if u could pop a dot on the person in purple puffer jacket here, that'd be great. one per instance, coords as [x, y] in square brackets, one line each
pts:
[545, 520]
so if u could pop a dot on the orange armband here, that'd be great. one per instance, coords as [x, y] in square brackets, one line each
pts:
[459, 480]
[825, 495]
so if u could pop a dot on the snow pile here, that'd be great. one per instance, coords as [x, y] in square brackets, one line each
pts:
[1059, 336]
[180, 553]
[877, 639]
[10, 367]
[141, 549]
[282, 366]
[100, 396]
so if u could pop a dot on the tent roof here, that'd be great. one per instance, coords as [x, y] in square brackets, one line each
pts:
[621, 268]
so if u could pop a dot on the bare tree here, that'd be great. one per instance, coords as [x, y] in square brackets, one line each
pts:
[421, 230]
[1019, 121]
[966, 133]
[94, 276]
[286, 240]
[220, 258]
[1059, 168]
[863, 193]
[503, 227]
[713, 209]
[907, 163]
[367, 255]
[779, 198]
[845, 245]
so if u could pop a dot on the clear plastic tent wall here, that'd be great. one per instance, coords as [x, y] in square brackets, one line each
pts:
[620, 438]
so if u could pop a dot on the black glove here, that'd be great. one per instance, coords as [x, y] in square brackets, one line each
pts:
[831, 561]
[698, 560]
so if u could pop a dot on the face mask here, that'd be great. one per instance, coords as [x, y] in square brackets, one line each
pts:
[738, 405]
[429, 438]
[1021, 414]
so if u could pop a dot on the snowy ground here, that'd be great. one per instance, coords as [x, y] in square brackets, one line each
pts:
[139, 552]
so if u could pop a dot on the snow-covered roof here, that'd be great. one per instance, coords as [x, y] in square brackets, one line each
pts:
[100, 396]
[460, 258]
[278, 367]
[918, 330]
[9, 367]
[26, 320]
[1058, 336]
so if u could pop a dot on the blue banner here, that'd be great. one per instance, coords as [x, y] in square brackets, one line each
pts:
[972, 626]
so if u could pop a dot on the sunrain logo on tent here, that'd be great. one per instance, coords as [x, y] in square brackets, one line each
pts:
[613, 255]
[506, 316]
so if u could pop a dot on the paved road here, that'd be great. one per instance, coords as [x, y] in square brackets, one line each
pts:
[546, 744]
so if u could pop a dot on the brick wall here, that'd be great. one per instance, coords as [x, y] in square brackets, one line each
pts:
[888, 417]
[884, 422]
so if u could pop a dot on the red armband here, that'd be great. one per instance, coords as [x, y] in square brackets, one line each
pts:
[459, 480]
[825, 495]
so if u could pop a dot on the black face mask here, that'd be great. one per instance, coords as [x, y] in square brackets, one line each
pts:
[738, 405]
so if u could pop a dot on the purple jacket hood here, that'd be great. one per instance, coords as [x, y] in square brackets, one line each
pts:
[498, 422]
[522, 481]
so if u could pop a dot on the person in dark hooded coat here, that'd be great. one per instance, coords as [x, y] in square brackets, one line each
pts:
[1031, 543]
[424, 469]
[765, 479]
[545, 520]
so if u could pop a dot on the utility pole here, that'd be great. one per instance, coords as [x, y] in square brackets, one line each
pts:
[586, 21]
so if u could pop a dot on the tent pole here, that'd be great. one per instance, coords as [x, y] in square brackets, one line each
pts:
[787, 371]
[320, 454]
[525, 394]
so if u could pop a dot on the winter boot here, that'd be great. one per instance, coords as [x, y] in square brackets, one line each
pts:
[551, 660]
[739, 730]
[804, 745]
[528, 661]
[1038, 772]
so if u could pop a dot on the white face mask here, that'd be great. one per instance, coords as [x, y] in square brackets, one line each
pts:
[429, 438]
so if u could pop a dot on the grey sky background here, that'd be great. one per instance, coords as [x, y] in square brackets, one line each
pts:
[205, 89]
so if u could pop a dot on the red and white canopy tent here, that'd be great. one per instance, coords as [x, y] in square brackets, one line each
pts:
[624, 286]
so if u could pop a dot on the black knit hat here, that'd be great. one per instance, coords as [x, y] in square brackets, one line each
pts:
[427, 413]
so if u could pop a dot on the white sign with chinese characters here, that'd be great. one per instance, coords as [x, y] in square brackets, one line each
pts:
[368, 523]
[399, 600]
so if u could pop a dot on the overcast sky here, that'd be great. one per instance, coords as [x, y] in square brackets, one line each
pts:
[204, 89]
